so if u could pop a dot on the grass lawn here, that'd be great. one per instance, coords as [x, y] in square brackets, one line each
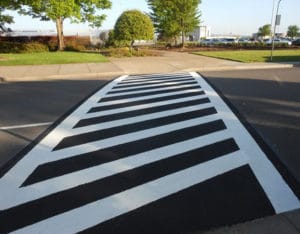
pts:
[250, 56]
[50, 58]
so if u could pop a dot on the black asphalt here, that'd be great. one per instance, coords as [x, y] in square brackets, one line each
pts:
[266, 100]
[34, 102]
[270, 101]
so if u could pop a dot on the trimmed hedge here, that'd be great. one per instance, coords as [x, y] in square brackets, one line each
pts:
[247, 46]
[17, 47]
[73, 43]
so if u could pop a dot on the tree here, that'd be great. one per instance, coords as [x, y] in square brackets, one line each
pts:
[5, 19]
[264, 30]
[293, 31]
[6, 5]
[133, 25]
[78, 11]
[175, 17]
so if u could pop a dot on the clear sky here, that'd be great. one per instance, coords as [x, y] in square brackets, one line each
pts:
[242, 17]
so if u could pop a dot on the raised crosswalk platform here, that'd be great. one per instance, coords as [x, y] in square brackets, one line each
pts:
[157, 153]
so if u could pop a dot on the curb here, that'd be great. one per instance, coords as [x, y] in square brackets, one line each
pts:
[74, 76]
[81, 76]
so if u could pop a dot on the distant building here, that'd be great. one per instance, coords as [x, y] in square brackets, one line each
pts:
[4, 30]
[24, 33]
[200, 32]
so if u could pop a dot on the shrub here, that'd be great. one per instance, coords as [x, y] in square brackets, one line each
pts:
[34, 47]
[191, 44]
[113, 42]
[74, 47]
[17, 47]
[133, 25]
[126, 52]
[72, 42]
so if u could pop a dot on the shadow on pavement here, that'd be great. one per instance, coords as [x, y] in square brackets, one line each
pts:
[273, 109]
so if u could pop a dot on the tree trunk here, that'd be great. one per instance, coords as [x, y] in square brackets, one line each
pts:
[60, 34]
[182, 40]
[182, 32]
[131, 45]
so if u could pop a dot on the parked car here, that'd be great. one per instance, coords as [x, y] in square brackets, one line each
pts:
[278, 41]
[228, 41]
[296, 42]
[244, 40]
[211, 41]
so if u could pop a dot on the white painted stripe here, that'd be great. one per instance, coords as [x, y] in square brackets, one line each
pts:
[108, 103]
[117, 123]
[122, 139]
[157, 75]
[118, 204]
[148, 85]
[25, 126]
[141, 81]
[141, 106]
[279, 193]
[152, 90]
[150, 82]
[61, 183]
[15, 176]
[41, 154]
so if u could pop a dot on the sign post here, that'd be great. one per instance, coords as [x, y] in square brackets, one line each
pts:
[277, 23]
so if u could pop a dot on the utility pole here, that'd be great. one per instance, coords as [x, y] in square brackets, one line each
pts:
[272, 17]
[277, 22]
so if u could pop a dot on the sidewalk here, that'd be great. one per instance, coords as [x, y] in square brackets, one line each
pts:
[168, 62]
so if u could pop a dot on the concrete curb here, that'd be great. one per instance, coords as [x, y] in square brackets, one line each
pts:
[74, 76]
[80, 76]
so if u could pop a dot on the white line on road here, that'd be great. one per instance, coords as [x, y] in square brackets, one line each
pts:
[25, 126]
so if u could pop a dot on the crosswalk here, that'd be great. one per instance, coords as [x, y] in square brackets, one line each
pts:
[146, 153]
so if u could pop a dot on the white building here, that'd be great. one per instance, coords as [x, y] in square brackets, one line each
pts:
[200, 32]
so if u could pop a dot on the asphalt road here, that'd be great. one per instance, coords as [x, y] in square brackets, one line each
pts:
[144, 154]
[23, 103]
[141, 139]
[270, 101]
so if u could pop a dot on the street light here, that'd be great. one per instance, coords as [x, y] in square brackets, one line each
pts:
[272, 17]
[274, 32]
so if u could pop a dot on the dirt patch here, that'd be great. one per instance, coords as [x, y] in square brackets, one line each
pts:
[3, 59]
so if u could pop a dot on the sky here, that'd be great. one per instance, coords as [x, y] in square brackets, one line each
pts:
[239, 17]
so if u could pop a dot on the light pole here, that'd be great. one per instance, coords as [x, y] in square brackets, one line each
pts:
[272, 17]
[274, 32]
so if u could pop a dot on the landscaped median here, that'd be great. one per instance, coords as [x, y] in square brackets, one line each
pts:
[250, 56]
[11, 59]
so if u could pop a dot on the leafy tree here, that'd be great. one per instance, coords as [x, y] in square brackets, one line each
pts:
[5, 19]
[133, 25]
[7, 5]
[293, 31]
[264, 30]
[78, 11]
[174, 17]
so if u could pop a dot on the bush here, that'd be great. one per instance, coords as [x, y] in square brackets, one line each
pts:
[247, 46]
[191, 44]
[74, 43]
[34, 47]
[17, 47]
[126, 52]
[73, 46]
[113, 42]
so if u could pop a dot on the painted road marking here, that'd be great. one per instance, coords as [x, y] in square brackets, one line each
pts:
[138, 142]
[25, 126]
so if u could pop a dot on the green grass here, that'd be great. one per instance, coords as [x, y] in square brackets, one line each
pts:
[50, 58]
[250, 56]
